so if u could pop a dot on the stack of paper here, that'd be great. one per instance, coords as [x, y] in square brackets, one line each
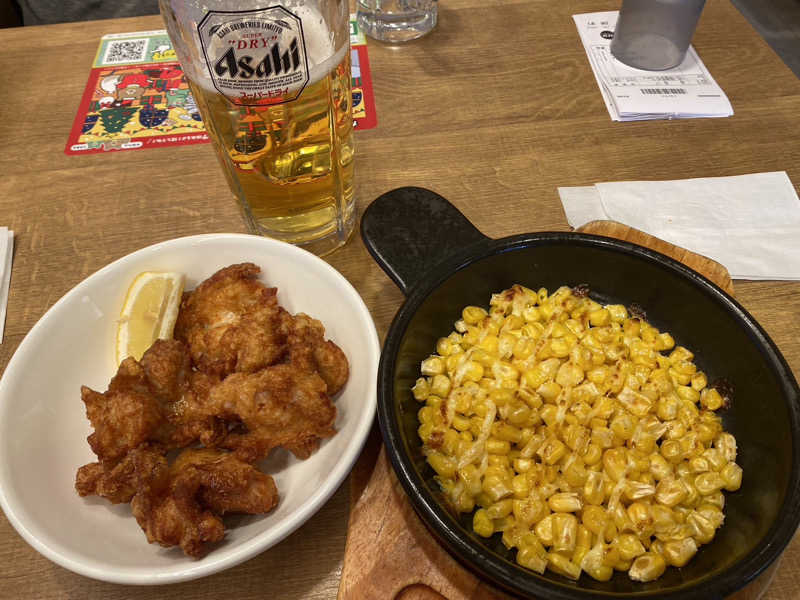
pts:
[684, 92]
[748, 223]
[6, 254]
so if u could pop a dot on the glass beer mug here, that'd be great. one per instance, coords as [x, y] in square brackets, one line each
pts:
[272, 82]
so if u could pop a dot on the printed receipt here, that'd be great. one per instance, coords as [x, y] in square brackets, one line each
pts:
[684, 92]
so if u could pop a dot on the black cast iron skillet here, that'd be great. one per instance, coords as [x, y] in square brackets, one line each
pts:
[442, 263]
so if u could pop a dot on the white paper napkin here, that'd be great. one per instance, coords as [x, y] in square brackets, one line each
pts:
[6, 255]
[748, 223]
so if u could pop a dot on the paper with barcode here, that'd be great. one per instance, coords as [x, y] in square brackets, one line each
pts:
[686, 91]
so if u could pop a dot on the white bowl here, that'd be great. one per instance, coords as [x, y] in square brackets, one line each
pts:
[43, 426]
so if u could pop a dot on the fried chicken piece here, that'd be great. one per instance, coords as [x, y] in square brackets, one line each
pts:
[167, 366]
[182, 507]
[125, 416]
[190, 419]
[282, 405]
[231, 322]
[229, 485]
[120, 482]
[153, 401]
[308, 346]
[180, 390]
[150, 407]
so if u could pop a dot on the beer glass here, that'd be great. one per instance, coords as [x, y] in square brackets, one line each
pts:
[272, 82]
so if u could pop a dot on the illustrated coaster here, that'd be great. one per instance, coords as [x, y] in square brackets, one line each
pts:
[137, 97]
[364, 116]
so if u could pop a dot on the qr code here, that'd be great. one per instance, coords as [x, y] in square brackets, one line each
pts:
[125, 51]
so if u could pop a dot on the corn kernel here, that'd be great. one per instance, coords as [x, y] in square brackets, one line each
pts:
[529, 510]
[647, 567]
[701, 526]
[678, 552]
[563, 565]
[552, 451]
[623, 426]
[575, 475]
[421, 389]
[495, 446]
[565, 532]
[529, 558]
[726, 444]
[482, 524]
[444, 466]
[671, 450]
[544, 530]
[617, 312]
[593, 455]
[473, 315]
[433, 365]
[440, 385]
[664, 341]
[566, 502]
[731, 476]
[636, 490]
[670, 492]
[593, 564]
[615, 463]
[495, 488]
[629, 546]
[708, 483]
[594, 488]
[688, 393]
[500, 509]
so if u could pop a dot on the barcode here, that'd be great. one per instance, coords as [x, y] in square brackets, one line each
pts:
[125, 51]
[663, 91]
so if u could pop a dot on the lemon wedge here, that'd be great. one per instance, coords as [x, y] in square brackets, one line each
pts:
[149, 312]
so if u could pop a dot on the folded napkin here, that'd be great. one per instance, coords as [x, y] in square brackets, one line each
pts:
[6, 254]
[748, 223]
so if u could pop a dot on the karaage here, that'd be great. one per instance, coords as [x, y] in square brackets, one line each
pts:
[231, 322]
[119, 482]
[183, 504]
[241, 377]
[277, 406]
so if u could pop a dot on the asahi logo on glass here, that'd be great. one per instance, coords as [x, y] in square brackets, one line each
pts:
[255, 57]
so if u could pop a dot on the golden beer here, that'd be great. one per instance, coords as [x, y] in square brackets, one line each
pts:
[287, 151]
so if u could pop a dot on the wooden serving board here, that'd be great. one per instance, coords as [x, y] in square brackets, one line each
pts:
[703, 265]
[389, 553]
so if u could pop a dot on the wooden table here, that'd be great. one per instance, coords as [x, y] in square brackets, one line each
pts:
[494, 110]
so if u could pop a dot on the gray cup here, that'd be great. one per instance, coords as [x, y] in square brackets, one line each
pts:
[655, 34]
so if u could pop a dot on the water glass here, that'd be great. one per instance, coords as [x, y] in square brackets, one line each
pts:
[397, 20]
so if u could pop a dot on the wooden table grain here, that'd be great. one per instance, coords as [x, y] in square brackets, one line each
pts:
[494, 110]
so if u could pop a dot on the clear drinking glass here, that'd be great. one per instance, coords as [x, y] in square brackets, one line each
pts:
[655, 34]
[272, 82]
[397, 20]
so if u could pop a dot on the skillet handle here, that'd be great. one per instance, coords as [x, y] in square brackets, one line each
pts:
[410, 229]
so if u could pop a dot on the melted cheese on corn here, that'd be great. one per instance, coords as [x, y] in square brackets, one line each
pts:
[582, 434]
